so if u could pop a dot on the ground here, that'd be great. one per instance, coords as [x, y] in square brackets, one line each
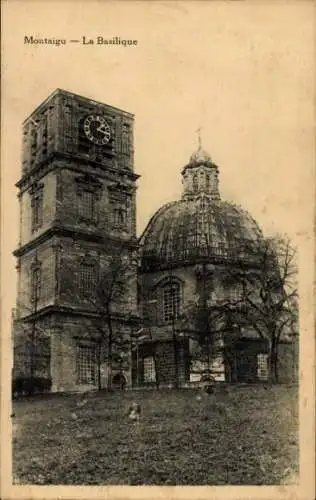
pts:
[239, 435]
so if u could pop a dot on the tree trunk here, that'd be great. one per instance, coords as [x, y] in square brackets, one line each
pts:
[276, 362]
[176, 366]
[156, 369]
[208, 353]
[273, 360]
[32, 347]
[99, 348]
[110, 345]
[32, 356]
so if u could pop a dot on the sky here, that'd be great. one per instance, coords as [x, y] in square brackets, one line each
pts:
[242, 71]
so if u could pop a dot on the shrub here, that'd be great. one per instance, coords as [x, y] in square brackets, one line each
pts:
[28, 386]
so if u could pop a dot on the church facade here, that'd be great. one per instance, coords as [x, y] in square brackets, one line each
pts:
[77, 196]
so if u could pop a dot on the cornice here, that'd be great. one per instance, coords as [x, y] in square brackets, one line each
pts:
[37, 172]
[84, 100]
[148, 266]
[58, 230]
[71, 311]
[201, 163]
[39, 169]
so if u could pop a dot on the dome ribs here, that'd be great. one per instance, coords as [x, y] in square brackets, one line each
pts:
[190, 231]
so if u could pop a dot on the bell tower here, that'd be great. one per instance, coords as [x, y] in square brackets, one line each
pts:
[77, 196]
[200, 175]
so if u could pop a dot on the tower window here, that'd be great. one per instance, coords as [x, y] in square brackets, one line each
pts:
[120, 203]
[89, 190]
[34, 142]
[125, 138]
[195, 183]
[36, 275]
[86, 205]
[86, 364]
[87, 277]
[44, 134]
[171, 301]
[37, 209]
[119, 217]
[207, 182]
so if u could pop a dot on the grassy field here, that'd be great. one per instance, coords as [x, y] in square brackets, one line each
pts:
[240, 435]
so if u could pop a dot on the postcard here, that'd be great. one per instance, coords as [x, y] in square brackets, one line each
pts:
[158, 170]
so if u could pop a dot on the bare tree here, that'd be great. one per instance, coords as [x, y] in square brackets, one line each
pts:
[148, 305]
[111, 288]
[267, 301]
[106, 301]
[265, 274]
[271, 295]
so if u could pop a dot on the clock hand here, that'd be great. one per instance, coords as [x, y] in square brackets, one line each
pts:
[101, 128]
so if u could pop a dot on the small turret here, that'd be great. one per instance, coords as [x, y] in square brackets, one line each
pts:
[200, 175]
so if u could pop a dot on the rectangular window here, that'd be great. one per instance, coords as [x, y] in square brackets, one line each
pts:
[87, 278]
[48, 276]
[37, 210]
[262, 366]
[86, 205]
[36, 284]
[149, 369]
[86, 364]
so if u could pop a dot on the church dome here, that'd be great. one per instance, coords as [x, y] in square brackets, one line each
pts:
[190, 230]
[200, 226]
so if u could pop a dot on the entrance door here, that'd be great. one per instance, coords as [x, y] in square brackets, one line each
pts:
[246, 366]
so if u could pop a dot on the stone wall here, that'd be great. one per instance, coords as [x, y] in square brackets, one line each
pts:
[76, 176]
[45, 256]
[80, 331]
[27, 233]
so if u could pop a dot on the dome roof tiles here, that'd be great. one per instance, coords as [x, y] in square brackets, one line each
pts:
[185, 230]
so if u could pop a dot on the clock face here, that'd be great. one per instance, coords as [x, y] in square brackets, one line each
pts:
[97, 129]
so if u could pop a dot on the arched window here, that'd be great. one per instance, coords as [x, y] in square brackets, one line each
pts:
[171, 301]
[195, 183]
[207, 182]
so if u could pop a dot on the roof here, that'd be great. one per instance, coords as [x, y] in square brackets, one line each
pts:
[185, 231]
[79, 97]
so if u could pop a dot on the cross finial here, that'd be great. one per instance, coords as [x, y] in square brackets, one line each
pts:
[198, 131]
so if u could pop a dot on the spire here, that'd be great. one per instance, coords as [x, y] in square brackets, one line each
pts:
[200, 155]
[198, 131]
